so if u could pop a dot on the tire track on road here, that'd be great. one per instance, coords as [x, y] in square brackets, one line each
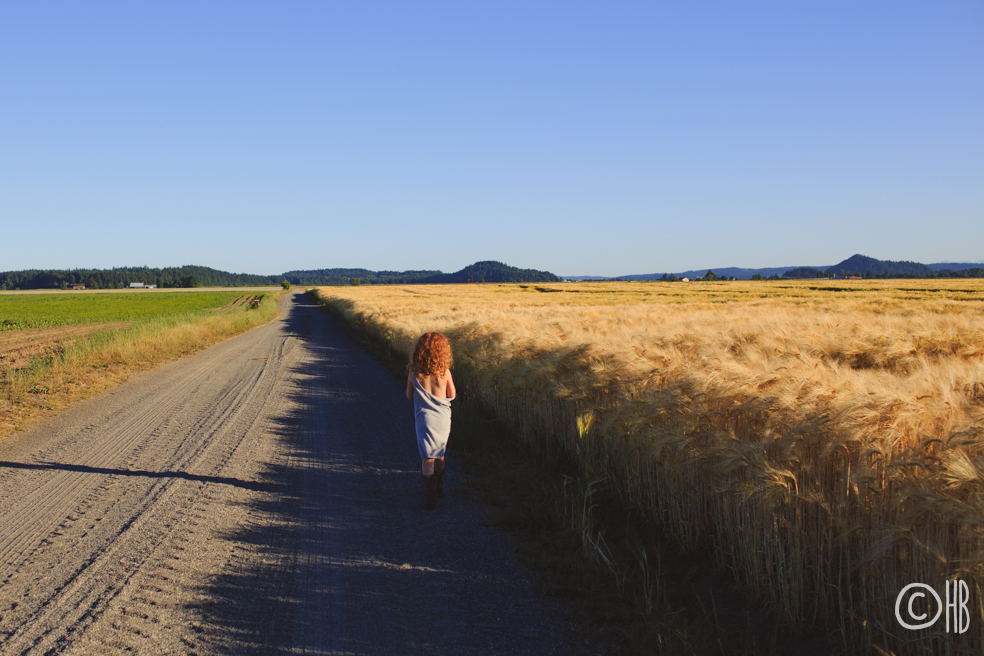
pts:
[161, 446]
[260, 497]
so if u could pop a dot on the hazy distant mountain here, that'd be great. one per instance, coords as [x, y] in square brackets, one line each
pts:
[854, 265]
[955, 266]
[735, 272]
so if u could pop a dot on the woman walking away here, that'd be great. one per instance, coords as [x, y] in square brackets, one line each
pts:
[430, 387]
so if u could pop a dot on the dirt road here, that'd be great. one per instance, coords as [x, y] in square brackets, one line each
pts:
[261, 497]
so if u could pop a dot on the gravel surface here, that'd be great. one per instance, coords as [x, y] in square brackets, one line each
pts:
[263, 496]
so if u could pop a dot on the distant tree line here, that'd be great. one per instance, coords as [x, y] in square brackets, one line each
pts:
[806, 272]
[863, 266]
[479, 272]
[710, 276]
[198, 276]
[322, 277]
[121, 277]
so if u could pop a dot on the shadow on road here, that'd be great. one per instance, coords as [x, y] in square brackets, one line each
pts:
[104, 471]
[339, 555]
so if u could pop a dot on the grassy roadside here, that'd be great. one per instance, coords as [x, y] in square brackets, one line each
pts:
[103, 359]
[588, 548]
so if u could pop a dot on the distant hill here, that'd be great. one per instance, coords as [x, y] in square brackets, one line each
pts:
[490, 271]
[861, 265]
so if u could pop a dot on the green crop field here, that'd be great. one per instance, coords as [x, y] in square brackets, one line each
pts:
[49, 310]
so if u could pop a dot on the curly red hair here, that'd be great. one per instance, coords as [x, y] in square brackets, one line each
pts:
[431, 355]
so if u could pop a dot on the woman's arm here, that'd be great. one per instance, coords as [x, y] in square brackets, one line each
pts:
[450, 392]
[410, 386]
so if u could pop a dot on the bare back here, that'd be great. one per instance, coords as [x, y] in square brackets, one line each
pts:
[440, 386]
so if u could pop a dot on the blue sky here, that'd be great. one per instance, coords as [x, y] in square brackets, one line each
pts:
[580, 138]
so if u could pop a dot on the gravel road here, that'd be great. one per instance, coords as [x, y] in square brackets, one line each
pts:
[260, 497]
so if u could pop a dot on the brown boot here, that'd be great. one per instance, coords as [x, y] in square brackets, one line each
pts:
[439, 475]
[430, 486]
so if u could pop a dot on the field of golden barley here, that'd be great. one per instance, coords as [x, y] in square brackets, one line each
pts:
[822, 438]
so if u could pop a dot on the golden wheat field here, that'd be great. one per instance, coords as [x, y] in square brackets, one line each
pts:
[823, 438]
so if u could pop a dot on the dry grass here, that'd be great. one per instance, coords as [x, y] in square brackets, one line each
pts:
[64, 371]
[823, 438]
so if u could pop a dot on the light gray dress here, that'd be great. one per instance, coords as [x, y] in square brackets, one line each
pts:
[432, 418]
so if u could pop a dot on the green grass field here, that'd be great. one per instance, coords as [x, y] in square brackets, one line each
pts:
[58, 349]
[49, 310]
